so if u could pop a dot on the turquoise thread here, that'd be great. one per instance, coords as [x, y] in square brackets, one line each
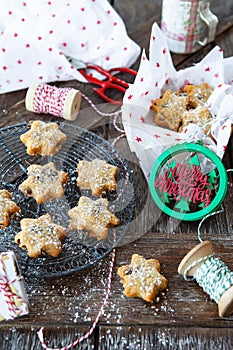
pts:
[213, 276]
[203, 127]
[201, 222]
[221, 210]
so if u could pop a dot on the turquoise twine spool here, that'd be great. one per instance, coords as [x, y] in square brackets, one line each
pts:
[210, 272]
[213, 276]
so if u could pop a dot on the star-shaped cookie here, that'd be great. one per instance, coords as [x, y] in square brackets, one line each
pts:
[7, 208]
[43, 138]
[198, 94]
[39, 235]
[98, 175]
[169, 109]
[142, 278]
[44, 182]
[92, 216]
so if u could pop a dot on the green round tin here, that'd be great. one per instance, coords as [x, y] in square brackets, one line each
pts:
[188, 181]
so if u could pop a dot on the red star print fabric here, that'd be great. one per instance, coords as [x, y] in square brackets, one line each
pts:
[157, 74]
[36, 37]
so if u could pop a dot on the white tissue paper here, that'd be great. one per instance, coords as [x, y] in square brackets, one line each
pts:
[158, 74]
[36, 37]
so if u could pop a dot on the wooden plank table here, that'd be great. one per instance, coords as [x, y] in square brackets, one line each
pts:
[184, 317]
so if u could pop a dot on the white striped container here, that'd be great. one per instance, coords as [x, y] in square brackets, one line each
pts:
[188, 24]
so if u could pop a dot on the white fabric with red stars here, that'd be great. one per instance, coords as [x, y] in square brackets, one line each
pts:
[37, 36]
[157, 74]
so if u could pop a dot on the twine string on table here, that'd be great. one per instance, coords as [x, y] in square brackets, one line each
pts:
[48, 99]
[105, 297]
[8, 295]
[201, 222]
[107, 291]
[221, 210]
[121, 131]
[103, 114]
[100, 313]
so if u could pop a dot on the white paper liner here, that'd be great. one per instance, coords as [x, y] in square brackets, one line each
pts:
[158, 74]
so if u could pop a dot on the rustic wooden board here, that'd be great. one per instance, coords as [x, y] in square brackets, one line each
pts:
[183, 317]
[163, 338]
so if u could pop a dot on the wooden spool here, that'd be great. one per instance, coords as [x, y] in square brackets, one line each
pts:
[203, 249]
[71, 106]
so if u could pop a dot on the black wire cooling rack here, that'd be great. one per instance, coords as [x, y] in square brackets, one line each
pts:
[78, 250]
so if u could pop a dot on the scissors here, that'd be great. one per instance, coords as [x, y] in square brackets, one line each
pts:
[111, 81]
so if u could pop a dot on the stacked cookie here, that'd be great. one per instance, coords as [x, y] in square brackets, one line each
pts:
[176, 110]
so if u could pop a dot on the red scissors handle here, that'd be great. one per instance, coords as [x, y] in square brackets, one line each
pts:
[108, 86]
[90, 78]
[111, 81]
[124, 70]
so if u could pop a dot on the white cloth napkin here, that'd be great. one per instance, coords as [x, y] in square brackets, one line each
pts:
[36, 37]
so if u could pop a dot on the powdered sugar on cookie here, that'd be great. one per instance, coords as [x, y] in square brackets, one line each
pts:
[92, 216]
[44, 182]
[43, 138]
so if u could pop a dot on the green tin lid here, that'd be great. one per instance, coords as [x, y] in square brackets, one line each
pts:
[188, 181]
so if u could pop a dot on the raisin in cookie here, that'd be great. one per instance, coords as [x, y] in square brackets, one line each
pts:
[142, 278]
[98, 175]
[92, 216]
[39, 235]
[44, 182]
[200, 116]
[43, 138]
[7, 208]
[198, 94]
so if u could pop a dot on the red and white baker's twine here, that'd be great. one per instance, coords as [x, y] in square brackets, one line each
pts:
[50, 99]
[97, 110]
[104, 302]
[46, 100]
[103, 114]
[101, 311]
[8, 295]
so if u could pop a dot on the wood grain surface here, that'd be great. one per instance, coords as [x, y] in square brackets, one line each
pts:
[183, 317]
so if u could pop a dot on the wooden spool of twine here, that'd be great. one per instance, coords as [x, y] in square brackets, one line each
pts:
[211, 274]
[47, 99]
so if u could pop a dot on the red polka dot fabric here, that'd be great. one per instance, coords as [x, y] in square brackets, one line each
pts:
[36, 37]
